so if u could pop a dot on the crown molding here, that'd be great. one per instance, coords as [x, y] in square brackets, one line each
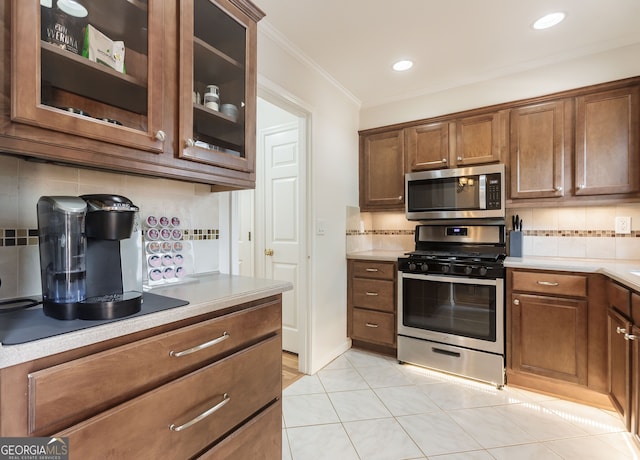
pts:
[274, 34]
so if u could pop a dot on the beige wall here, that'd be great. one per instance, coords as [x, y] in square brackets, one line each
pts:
[586, 232]
[23, 182]
[333, 176]
[613, 65]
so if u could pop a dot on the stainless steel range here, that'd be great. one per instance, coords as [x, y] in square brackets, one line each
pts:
[451, 300]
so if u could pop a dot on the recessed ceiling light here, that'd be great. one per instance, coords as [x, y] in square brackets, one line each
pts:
[403, 65]
[549, 20]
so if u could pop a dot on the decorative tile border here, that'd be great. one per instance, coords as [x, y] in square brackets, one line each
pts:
[556, 233]
[10, 237]
[201, 234]
[581, 233]
[381, 232]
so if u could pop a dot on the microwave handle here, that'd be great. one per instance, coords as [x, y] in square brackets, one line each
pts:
[482, 191]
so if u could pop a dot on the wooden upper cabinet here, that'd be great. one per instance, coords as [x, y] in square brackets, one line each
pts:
[427, 146]
[49, 83]
[607, 154]
[479, 140]
[382, 171]
[539, 142]
[218, 47]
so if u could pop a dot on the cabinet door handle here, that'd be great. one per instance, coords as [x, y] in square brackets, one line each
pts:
[621, 330]
[190, 143]
[444, 160]
[516, 302]
[629, 337]
[372, 269]
[400, 198]
[459, 158]
[371, 293]
[202, 346]
[548, 283]
[558, 189]
[225, 399]
[373, 325]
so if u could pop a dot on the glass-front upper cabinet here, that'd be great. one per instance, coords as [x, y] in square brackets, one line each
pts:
[217, 77]
[92, 68]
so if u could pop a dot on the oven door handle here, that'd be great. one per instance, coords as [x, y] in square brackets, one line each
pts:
[451, 279]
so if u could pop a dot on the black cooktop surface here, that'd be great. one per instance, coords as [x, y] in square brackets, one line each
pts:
[27, 325]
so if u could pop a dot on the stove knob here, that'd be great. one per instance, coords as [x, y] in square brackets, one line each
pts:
[412, 266]
[468, 270]
[483, 271]
[424, 267]
[446, 268]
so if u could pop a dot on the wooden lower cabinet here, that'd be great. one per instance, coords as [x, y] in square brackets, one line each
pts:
[620, 364]
[372, 305]
[635, 381]
[374, 327]
[556, 334]
[258, 439]
[198, 387]
[549, 337]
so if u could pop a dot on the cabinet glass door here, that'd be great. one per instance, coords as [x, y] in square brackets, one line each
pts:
[217, 103]
[73, 76]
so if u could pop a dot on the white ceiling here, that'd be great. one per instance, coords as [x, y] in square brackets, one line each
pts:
[452, 42]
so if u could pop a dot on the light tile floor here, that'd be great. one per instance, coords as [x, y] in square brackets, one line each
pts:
[364, 406]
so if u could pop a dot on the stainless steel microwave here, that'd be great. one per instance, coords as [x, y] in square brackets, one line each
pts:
[476, 192]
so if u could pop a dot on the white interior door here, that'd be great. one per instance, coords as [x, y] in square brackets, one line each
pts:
[284, 258]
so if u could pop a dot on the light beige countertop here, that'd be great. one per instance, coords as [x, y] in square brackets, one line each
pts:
[377, 254]
[206, 294]
[626, 272]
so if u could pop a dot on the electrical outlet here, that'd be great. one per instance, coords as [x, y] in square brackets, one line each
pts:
[623, 225]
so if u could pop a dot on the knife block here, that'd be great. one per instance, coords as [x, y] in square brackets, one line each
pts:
[515, 243]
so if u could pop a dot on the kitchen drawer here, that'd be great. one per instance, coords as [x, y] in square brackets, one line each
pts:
[70, 392]
[162, 417]
[550, 283]
[619, 297]
[375, 294]
[378, 270]
[373, 326]
[259, 439]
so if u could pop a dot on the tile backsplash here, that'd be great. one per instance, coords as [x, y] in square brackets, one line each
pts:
[22, 183]
[586, 232]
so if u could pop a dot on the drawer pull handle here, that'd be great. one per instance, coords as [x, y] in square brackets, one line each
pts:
[372, 293]
[372, 269]
[453, 354]
[548, 283]
[371, 325]
[202, 346]
[225, 399]
[621, 330]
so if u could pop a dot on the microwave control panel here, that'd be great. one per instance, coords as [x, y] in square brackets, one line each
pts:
[493, 191]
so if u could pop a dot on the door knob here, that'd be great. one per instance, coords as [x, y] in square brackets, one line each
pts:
[268, 252]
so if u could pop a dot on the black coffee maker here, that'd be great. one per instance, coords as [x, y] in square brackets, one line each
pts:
[90, 256]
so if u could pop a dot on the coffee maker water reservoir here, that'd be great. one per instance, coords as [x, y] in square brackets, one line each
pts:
[90, 256]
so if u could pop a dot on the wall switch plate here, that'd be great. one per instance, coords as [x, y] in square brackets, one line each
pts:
[623, 225]
[321, 227]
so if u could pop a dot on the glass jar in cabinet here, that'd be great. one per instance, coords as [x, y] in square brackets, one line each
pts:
[104, 84]
[217, 83]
